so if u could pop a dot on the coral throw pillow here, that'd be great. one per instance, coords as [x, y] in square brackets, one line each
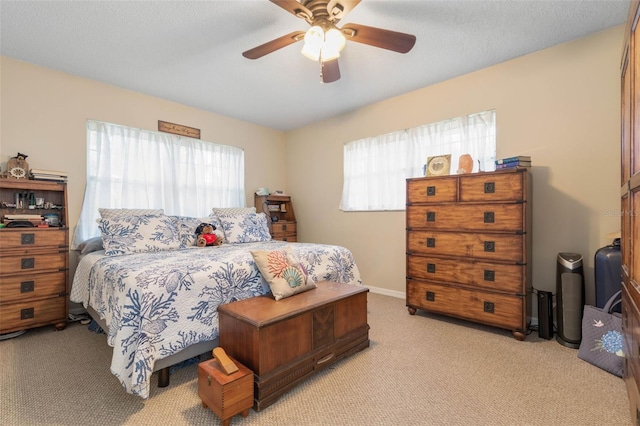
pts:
[283, 272]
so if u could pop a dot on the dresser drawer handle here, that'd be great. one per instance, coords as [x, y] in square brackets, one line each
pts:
[431, 216]
[431, 191]
[431, 296]
[490, 246]
[431, 268]
[489, 187]
[431, 242]
[489, 275]
[27, 313]
[489, 307]
[27, 238]
[27, 286]
[27, 263]
[489, 217]
[284, 227]
[324, 359]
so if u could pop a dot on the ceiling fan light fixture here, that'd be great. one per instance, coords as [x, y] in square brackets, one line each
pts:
[321, 45]
[313, 41]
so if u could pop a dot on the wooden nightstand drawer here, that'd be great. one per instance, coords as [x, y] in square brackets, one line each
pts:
[492, 187]
[19, 316]
[33, 263]
[32, 287]
[32, 238]
[283, 228]
[436, 190]
[477, 217]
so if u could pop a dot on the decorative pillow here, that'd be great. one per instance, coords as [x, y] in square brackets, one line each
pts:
[134, 234]
[233, 210]
[90, 245]
[245, 228]
[109, 213]
[283, 272]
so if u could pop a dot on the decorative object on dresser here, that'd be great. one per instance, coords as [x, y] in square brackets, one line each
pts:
[469, 247]
[285, 341]
[280, 215]
[34, 260]
[629, 208]
[511, 162]
[17, 167]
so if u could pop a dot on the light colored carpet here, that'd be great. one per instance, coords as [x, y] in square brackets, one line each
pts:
[419, 370]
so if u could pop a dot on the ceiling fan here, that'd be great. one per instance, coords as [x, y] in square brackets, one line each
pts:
[324, 40]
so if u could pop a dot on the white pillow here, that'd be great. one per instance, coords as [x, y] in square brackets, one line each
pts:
[109, 213]
[136, 234]
[245, 228]
[283, 272]
[233, 210]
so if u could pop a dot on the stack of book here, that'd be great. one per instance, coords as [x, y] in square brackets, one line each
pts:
[511, 162]
[39, 174]
[35, 219]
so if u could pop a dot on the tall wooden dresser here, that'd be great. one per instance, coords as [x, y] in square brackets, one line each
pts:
[629, 208]
[34, 262]
[469, 247]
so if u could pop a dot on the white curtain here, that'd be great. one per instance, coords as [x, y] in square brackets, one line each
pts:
[376, 169]
[134, 168]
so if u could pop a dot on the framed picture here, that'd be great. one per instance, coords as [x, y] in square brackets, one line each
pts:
[439, 165]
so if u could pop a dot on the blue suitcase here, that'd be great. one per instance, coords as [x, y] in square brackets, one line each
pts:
[608, 271]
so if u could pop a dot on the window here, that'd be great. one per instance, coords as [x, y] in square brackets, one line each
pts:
[376, 169]
[134, 168]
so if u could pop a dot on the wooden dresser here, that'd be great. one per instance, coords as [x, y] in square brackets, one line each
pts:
[34, 262]
[280, 215]
[629, 208]
[469, 247]
[285, 341]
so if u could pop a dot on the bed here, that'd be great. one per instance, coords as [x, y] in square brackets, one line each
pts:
[159, 307]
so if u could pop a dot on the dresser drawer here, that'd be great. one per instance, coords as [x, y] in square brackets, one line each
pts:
[29, 239]
[477, 217]
[499, 247]
[19, 316]
[32, 287]
[489, 308]
[493, 187]
[434, 190]
[493, 276]
[283, 228]
[33, 263]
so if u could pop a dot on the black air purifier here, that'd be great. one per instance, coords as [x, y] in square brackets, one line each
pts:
[545, 315]
[569, 299]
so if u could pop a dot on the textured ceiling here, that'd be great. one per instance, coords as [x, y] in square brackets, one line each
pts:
[190, 51]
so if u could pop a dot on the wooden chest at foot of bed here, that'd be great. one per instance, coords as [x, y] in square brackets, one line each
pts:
[225, 394]
[286, 341]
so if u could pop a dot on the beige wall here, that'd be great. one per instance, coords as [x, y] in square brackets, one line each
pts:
[560, 105]
[44, 114]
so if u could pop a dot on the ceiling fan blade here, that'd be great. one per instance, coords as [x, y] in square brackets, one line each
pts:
[385, 39]
[295, 9]
[330, 71]
[338, 9]
[273, 45]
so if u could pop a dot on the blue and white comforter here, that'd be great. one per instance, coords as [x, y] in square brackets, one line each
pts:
[156, 304]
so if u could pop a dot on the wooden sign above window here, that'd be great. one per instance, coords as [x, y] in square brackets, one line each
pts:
[178, 129]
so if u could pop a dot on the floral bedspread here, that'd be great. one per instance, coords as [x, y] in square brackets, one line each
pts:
[156, 304]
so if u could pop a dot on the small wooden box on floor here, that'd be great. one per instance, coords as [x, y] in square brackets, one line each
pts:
[225, 394]
[288, 340]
